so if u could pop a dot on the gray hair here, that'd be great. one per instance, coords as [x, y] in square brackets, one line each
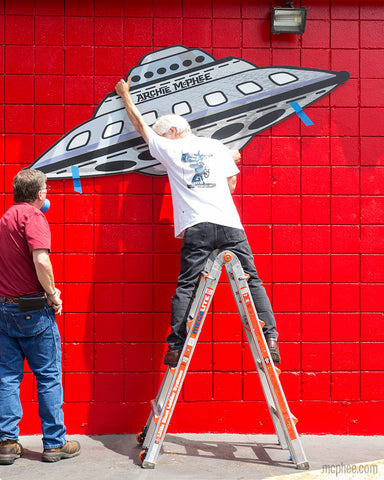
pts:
[27, 184]
[165, 122]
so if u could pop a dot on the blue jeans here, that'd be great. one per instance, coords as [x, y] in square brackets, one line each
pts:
[34, 336]
[198, 243]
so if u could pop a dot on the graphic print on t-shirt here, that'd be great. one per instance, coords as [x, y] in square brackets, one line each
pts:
[200, 170]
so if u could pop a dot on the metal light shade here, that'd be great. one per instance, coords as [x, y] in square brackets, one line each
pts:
[288, 20]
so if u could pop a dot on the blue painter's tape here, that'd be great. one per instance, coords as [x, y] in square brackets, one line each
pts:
[76, 179]
[300, 113]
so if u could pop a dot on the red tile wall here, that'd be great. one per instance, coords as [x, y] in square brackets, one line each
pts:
[311, 199]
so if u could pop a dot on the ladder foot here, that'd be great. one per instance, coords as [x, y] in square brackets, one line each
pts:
[303, 466]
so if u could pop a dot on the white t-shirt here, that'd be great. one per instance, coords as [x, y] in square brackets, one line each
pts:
[198, 169]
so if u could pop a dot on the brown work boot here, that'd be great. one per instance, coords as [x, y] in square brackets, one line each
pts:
[274, 350]
[68, 450]
[10, 450]
[172, 357]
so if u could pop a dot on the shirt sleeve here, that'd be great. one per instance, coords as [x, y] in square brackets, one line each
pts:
[37, 232]
[228, 164]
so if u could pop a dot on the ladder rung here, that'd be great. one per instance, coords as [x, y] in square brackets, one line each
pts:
[155, 409]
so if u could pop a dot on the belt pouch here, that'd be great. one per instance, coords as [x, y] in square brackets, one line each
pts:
[32, 302]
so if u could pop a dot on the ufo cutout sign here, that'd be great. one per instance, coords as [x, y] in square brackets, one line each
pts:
[229, 99]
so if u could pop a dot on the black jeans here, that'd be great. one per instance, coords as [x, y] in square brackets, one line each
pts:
[199, 242]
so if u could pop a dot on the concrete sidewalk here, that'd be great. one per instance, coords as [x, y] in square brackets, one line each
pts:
[202, 457]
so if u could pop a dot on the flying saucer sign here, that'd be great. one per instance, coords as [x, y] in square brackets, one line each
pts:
[229, 99]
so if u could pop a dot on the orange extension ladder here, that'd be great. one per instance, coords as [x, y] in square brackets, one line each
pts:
[152, 435]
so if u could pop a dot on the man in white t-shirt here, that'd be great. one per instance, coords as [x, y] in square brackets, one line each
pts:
[202, 175]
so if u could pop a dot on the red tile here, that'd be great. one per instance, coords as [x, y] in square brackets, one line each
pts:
[345, 239]
[138, 297]
[370, 32]
[286, 239]
[316, 386]
[372, 180]
[138, 327]
[256, 179]
[345, 356]
[78, 30]
[372, 210]
[371, 355]
[138, 387]
[256, 209]
[197, 9]
[345, 385]
[286, 268]
[49, 30]
[109, 387]
[345, 151]
[49, 60]
[138, 357]
[259, 237]
[316, 210]
[139, 268]
[78, 297]
[78, 238]
[372, 386]
[198, 387]
[285, 151]
[19, 119]
[315, 180]
[227, 386]
[78, 208]
[19, 29]
[316, 34]
[345, 180]
[349, 60]
[227, 356]
[108, 297]
[372, 297]
[78, 268]
[108, 238]
[372, 239]
[49, 89]
[315, 297]
[109, 327]
[49, 119]
[370, 119]
[345, 297]
[316, 268]
[252, 387]
[286, 209]
[256, 33]
[79, 60]
[113, 8]
[286, 297]
[78, 90]
[108, 357]
[220, 29]
[285, 180]
[78, 387]
[316, 239]
[364, 417]
[197, 28]
[345, 268]
[316, 356]
[78, 357]
[109, 60]
[342, 29]
[19, 89]
[372, 268]
[315, 151]
[108, 267]
[19, 59]
[372, 327]
[316, 327]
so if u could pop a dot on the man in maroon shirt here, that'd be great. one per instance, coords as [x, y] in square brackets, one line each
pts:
[28, 329]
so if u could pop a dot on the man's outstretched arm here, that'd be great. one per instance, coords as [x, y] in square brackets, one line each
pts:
[122, 89]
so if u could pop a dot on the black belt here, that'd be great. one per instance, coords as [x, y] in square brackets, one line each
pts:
[11, 300]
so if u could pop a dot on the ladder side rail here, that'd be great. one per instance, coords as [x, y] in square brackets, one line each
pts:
[201, 304]
[245, 302]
